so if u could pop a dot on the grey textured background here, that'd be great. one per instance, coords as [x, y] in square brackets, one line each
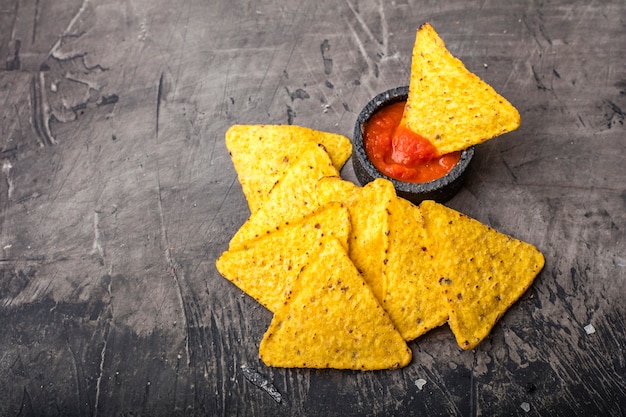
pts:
[117, 195]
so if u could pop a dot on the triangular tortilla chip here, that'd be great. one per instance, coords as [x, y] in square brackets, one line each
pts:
[412, 295]
[292, 197]
[261, 153]
[367, 212]
[265, 267]
[447, 104]
[332, 320]
[481, 271]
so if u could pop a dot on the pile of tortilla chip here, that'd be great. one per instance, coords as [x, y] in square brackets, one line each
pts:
[353, 273]
[350, 273]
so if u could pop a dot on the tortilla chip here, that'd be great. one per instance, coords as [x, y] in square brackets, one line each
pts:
[264, 267]
[332, 320]
[292, 197]
[481, 271]
[367, 212]
[412, 294]
[261, 153]
[449, 105]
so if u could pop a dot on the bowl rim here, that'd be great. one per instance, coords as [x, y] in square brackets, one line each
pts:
[391, 96]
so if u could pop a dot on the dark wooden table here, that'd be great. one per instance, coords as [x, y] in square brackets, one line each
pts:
[117, 194]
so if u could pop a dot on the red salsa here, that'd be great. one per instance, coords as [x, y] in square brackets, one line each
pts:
[401, 154]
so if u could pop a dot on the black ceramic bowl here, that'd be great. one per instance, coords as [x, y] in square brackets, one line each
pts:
[440, 190]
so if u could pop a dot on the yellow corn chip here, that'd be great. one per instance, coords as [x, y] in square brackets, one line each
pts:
[292, 197]
[367, 212]
[261, 153]
[481, 271]
[264, 267]
[332, 320]
[449, 105]
[412, 295]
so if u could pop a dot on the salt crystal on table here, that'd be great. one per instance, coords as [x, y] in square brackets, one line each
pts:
[525, 406]
[589, 329]
[419, 383]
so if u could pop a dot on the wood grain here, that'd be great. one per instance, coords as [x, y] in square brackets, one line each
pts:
[117, 194]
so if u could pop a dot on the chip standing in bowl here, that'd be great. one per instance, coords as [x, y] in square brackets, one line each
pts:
[421, 137]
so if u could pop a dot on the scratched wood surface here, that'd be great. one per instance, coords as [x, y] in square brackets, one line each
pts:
[117, 195]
